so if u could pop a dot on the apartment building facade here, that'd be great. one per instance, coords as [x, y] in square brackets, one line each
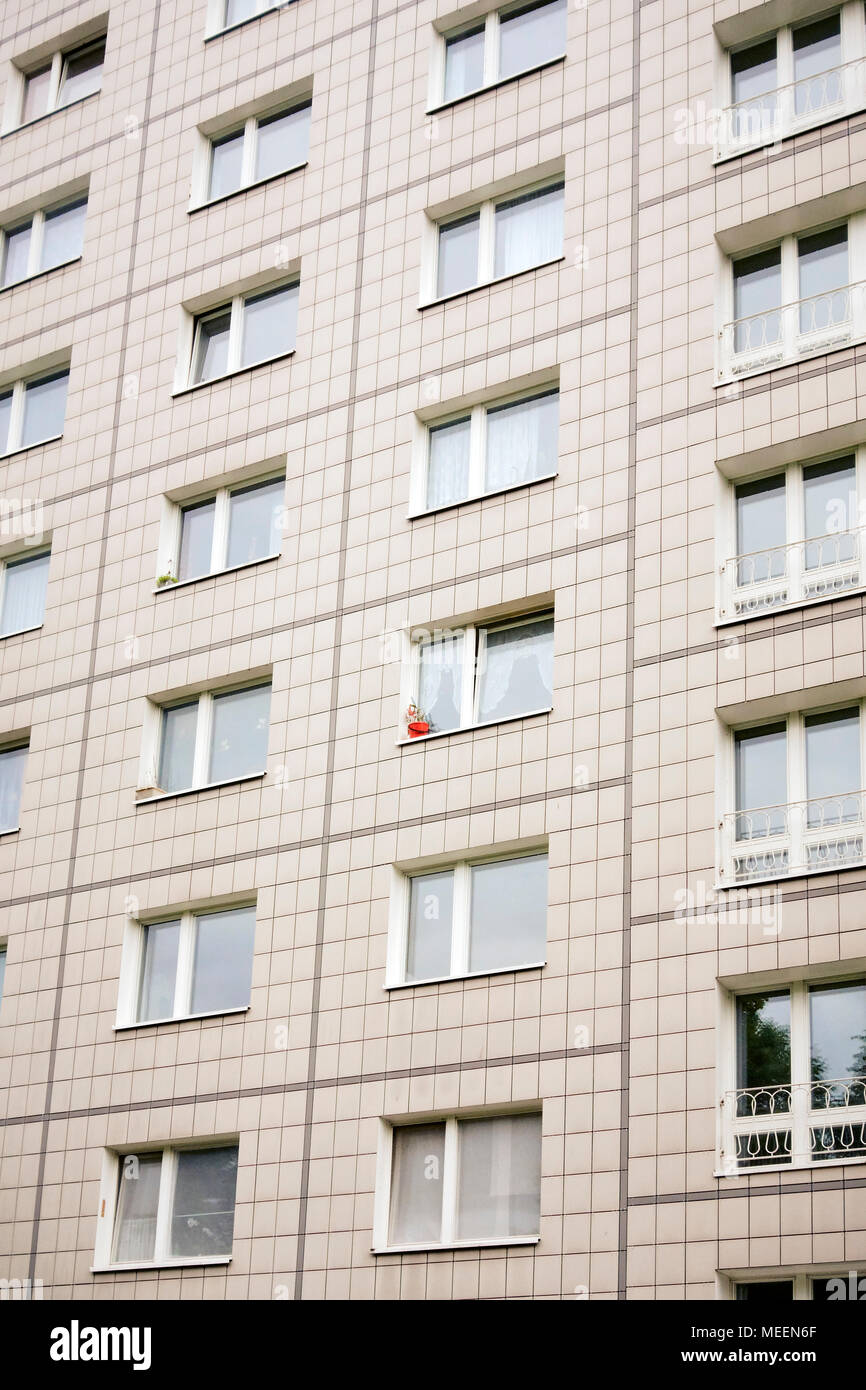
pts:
[432, 649]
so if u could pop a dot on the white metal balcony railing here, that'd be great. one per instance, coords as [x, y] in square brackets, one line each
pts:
[771, 116]
[805, 1123]
[796, 837]
[803, 572]
[790, 332]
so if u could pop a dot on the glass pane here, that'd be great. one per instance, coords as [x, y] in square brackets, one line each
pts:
[757, 300]
[838, 1288]
[44, 409]
[196, 539]
[223, 964]
[431, 904]
[254, 522]
[508, 925]
[82, 73]
[226, 165]
[158, 971]
[24, 586]
[522, 441]
[448, 468]
[12, 763]
[464, 63]
[830, 505]
[212, 347]
[761, 530]
[824, 293]
[458, 256]
[440, 681]
[516, 670]
[283, 142]
[137, 1200]
[531, 36]
[203, 1215]
[837, 1027]
[753, 86]
[178, 747]
[499, 1184]
[270, 323]
[16, 253]
[764, 1052]
[762, 781]
[63, 234]
[817, 55]
[833, 768]
[416, 1184]
[2, 972]
[529, 231]
[36, 88]
[5, 414]
[769, 1291]
[239, 742]
[238, 10]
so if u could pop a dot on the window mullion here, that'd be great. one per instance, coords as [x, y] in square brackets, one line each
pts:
[203, 726]
[219, 543]
[16, 417]
[37, 240]
[468, 693]
[486, 243]
[54, 84]
[800, 1072]
[790, 295]
[491, 49]
[3, 568]
[248, 160]
[185, 958]
[236, 329]
[450, 1161]
[167, 1171]
[461, 919]
[861, 709]
[795, 530]
[477, 451]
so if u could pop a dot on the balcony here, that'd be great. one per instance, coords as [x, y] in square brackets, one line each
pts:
[785, 111]
[794, 1126]
[793, 332]
[807, 571]
[800, 837]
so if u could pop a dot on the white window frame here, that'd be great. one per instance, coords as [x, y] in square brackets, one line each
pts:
[218, 10]
[7, 560]
[57, 62]
[250, 131]
[477, 415]
[450, 1168]
[18, 388]
[36, 221]
[172, 532]
[727, 145]
[4, 963]
[235, 307]
[802, 1280]
[491, 78]
[15, 746]
[153, 736]
[400, 903]
[109, 1191]
[132, 965]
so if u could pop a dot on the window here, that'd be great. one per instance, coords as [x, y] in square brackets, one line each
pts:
[191, 964]
[236, 11]
[251, 329]
[44, 241]
[263, 147]
[800, 1076]
[465, 1182]
[2, 970]
[471, 919]
[12, 763]
[766, 1291]
[174, 1205]
[796, 538]
[491, 448]
[501, 238]
[212, 738]
[23, 583]
[69, 76]
[799, 77]
[506, 43]
[797, 797]
[237, 526]
[32, 412]
[833, 1288]
[794, 300]
[480, 675]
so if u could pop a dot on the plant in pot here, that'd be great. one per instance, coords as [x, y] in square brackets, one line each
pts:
[417, 722]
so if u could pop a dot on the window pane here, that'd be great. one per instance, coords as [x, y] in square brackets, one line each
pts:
[830, 505]
[82, 73]
[196, 539]
[836, 1288]
[769, 1291]
[753, 75]
[270, 323]
[833, 767]
[416, 1184]
[44, 409]
[516, 670]
[238, 10]
[12, 763]
[137, 1199]
[2, 971]
[283, 142]
[509, 913]
[762, 780]
[757, 300]
[817, 55]
[764, 1045]
[36, 88]
[178, 747]
[448, 467]
[223, 964]
[226, 165]
[16, 255]
[240, 733]
[431, 904]
[530, 37]
[203, 1216]
[458, 256]
[5, 413]
[63, 234]
[761, 530]
[499, 1186]
[528, 231]
[440, 679]
[522, 441]
[212, 347]
[464, 63]
[254, 522]
[158, 971]
[824, 280]
[24, 586]
[837, 1022]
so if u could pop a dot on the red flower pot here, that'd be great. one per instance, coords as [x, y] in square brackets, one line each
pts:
[418, 727]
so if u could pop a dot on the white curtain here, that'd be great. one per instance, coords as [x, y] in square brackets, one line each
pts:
[11, 777]
[529, 231]
[516, 670]
[416, 1184]
[440, 681]
[521, 441]
[499, 1186]
[448, 468]
[24, 588]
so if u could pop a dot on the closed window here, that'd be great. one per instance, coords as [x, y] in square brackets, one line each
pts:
[175, 1205]
[195, 963]
[236, 11]
[23, 584]
[263, 147]
[847, 1284]
[507, 42]
[491, 448]
[465, 1182]
[251, 329]
[235, 527]
[12, 764]
[2, 970]
[68, 76]
[212, 738]
[499, 239]
[47, 239]
[32, 412]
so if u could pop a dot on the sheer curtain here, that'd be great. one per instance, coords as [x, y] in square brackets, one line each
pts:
[464, 64]
[11, 778]
[440, 680]
[416, 1184]
[516, 670]
[521, 441]
[448, 467]
[529, 230]
[499, 1187]
[137, 1200]
[24, 588]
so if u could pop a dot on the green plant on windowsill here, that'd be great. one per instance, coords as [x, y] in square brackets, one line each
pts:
[162, 580]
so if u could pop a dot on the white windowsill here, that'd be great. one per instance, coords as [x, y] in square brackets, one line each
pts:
[792, 874]
[468, 728]
[469, 975]
[788, 132]
[46, 115]
[727, 376]
[203, 787]
[250, 19]
[37, 274]
[790, 1167]
[488, 284]
[479, 496]
[181, 1018]
[227, 376]
[214, 574]
[492, 1243]
[446, 104]
[189, 1263]
[20, 631]
[247, 187]
[789, 607]
[13, 830]
[36, 444]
